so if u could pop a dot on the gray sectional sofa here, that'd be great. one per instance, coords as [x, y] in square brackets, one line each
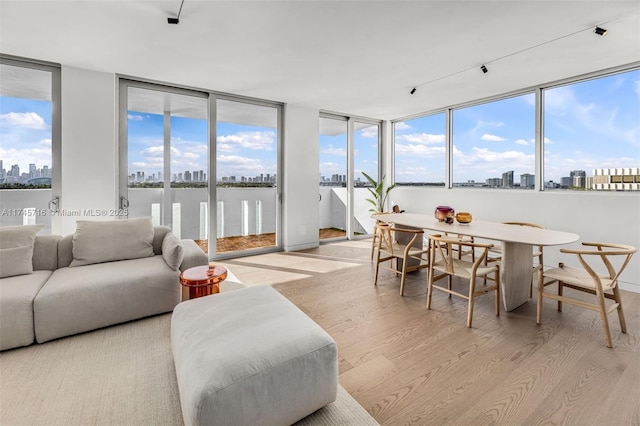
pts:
[69, 292]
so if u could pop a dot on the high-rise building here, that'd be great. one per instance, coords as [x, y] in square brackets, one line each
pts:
[507, 179]
[527, 180]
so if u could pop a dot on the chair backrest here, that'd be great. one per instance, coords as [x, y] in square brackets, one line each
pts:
[442, 245]
[604, 251]
[406, 237]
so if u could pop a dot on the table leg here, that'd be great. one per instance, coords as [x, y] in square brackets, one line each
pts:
[516, 273]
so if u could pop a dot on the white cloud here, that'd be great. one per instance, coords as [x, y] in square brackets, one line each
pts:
[328, 168]
[521, 142]
[249, 140]
[401, 125]
[331, 150]
[135, 117]
[492, 138]
[422, 138]
[40, 156]
[153, 151]
[420, 150]
[29, 120]
[369, 132]
[636, 87]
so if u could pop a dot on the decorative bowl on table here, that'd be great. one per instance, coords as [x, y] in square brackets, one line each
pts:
[443, 212]
[464, 217]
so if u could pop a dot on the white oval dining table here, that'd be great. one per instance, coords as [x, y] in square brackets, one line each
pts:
[517, 247]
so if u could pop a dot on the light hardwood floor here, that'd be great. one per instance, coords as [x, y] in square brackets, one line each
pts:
[409, 365]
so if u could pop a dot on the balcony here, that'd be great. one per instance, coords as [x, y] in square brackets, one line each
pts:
[245, 216]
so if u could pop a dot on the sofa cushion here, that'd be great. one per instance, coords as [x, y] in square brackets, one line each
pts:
[75, 300]
[16, 249]
[16, 308]
[106, 241]
[172, 251]
[159, 232]
[45, 252]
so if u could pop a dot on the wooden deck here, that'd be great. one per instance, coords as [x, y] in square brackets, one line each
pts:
[238, 243]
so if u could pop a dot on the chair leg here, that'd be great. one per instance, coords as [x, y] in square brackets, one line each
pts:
[429, 288]
[373, 246]
[616, 297]
[539, 309]
[472, 290]
[375, 281]
[450, 284]
[605, 320]
[498, 292]
[404, 274]
[560, 291]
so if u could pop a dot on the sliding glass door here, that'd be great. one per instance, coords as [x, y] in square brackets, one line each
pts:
[30, 149]
[167, 158]
[246, 164]
[214, 184]
[348, 147]
[332, 191]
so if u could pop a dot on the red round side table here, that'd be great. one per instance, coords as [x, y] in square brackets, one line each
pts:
[203, 280]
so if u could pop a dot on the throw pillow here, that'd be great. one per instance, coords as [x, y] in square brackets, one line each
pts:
[107, 241]
[16, 249]
[172, 251]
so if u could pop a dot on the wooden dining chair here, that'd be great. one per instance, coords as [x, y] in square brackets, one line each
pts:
[495, 255]
[378, 233]
[401, 250]
[444, 263]
[587, 280]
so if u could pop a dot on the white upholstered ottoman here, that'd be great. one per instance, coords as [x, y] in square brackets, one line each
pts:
[250, 357]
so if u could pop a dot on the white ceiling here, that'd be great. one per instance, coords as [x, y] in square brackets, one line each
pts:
[353, 57]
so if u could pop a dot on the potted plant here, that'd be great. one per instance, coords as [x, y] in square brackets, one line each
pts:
[379, 193]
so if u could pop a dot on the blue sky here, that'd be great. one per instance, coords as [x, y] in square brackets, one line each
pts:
[593, 124]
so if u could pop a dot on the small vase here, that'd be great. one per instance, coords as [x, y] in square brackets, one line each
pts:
[464, 217]
[442, 212]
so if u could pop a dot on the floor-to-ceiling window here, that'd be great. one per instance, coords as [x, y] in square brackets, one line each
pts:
[247, 153]
[174, 173]
[166, 157]
[347, 147]
[30, 142]
[366, 145]
[592, 134]
[332, 190]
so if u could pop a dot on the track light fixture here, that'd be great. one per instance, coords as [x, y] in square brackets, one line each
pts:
[176, 20]
[413, 91]
[600, 31]
[484, 69]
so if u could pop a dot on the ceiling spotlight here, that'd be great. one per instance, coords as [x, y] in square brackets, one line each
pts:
[176, 20]
[484, 69]
[600, 31]
[413, 91]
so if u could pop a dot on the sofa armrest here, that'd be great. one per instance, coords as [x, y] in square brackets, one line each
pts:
[193, 255]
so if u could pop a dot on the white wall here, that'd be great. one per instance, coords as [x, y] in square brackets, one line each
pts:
[89, 147]
[595, 216]
[301, 168]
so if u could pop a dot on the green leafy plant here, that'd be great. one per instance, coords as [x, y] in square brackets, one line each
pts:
[379, 193]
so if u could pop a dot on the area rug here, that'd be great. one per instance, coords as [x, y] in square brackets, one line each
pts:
[121, 375]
